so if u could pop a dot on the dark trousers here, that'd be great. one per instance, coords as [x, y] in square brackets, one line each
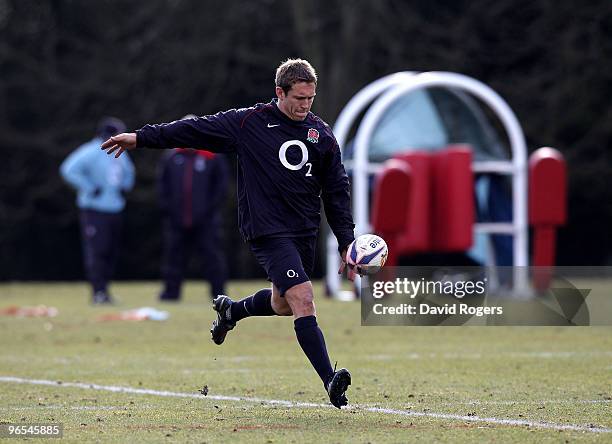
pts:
[101, 235]
[179, 243]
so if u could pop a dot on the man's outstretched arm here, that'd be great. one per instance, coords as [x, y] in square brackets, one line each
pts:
[217, 133]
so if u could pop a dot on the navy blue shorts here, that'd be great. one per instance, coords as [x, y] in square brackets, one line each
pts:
[288, 261]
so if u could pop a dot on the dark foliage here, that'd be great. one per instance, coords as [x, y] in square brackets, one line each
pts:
[66, 63]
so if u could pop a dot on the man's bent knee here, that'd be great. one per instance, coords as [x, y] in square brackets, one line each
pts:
[301, 300]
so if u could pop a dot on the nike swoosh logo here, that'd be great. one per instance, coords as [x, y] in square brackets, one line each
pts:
[272, 126]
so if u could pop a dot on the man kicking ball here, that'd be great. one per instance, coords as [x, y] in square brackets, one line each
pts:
[288, 161]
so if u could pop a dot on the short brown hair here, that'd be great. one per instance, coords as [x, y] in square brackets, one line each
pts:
[292, 71]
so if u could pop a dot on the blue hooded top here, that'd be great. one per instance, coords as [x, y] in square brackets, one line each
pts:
[100, 180]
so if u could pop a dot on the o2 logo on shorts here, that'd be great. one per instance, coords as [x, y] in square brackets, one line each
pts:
[282, 155]
[292, 274]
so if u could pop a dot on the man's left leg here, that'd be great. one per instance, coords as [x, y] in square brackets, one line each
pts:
[310, 337]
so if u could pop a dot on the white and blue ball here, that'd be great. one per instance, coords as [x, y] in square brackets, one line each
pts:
[367, 254]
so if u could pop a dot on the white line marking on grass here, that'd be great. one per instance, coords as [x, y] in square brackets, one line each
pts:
[291, 404]
[532, 402]
[559, 354]
[514, 422]
[492, 355]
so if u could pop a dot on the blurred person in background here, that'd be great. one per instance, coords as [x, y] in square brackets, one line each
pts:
[101, 183]
[192, 185]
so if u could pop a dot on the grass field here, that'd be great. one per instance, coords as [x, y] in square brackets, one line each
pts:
[449, 384]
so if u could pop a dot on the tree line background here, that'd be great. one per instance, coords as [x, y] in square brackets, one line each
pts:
[66, 63]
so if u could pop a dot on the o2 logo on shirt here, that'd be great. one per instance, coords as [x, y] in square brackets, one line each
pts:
[282, 155]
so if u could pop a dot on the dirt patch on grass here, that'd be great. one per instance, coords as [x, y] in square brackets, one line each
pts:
[164, 427]
[265, 427]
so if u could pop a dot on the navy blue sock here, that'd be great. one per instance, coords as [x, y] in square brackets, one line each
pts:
[311, 340]
[258, 304]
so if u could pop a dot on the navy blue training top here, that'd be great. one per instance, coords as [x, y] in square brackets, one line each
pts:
[284, 167]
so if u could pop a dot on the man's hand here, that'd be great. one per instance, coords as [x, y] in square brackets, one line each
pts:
[120, 143]
[350, 273]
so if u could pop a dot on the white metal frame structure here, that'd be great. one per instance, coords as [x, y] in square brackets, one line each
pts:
[384, 93]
